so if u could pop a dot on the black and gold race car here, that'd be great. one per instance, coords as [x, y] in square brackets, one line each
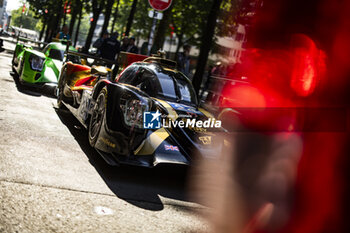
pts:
[148, 115]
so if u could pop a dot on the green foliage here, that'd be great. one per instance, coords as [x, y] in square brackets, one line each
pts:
[83, 29]
[39, 25]
[123, 13]
[227, 21]
[40, 6]
[26, 20]
[188, 17]
[142, 23]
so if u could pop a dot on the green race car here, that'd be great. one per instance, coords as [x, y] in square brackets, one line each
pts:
[40, 70]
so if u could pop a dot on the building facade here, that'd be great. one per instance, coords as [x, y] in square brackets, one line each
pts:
[3, 15]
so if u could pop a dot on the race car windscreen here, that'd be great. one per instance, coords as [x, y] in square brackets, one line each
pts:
[164, 84]
[187, 93]
[175, 87]
[56, 54]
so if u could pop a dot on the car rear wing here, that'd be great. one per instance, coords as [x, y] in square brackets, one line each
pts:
[97, 60]
[164, 62]
[39, 43]
[125, 59]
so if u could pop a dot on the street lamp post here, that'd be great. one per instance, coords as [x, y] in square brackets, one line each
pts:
[151, 36]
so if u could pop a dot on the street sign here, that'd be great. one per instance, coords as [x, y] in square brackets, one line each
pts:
[157, 5]
[155, 14]
[160, 5]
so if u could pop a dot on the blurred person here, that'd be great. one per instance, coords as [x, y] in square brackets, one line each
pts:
[63, 34]
[131, 46]
[285, 168]
[98, 43]
[183, 60]
[249, 185]
[110, 47]
[109, 50]
[125, 44]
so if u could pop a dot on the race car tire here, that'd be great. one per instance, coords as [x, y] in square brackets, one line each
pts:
[60, 104]
[13, 59]
[13, 63]
[59, 90]
[97, 116]
[21, 69]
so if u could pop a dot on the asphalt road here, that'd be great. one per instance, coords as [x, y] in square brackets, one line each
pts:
[51, 180]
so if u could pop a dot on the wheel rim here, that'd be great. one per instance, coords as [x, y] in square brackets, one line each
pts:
[97, 117]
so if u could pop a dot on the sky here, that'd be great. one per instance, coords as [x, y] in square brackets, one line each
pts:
[13, 4]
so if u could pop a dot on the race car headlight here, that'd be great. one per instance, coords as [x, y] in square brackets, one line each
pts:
[36, 62]
[133, 112]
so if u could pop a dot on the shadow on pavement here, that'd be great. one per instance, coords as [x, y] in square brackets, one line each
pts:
[6, 52]
[33, 91]
[136, 185]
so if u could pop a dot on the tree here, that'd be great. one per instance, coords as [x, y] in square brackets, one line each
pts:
[162, 28]
[131, 17]
[42, 29]
[97, 6]
[76, 6]
[142, 23]
[80, 13]
[206, 43]
[228, 19]
[26, 20]
[107, 13]
[115, 15]
[188, 19]
[51, 11]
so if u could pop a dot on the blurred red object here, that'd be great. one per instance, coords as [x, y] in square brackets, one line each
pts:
[299, 57]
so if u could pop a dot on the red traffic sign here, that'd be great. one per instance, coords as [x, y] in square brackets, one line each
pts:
[160, 5]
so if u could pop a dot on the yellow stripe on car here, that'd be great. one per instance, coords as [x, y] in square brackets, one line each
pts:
[172, 113]
[152, 142]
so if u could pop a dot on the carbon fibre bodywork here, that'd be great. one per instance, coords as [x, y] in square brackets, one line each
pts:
[118, 140]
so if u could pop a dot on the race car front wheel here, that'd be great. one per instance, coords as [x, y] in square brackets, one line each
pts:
[59, 89]
[97, 116]
[60, 98]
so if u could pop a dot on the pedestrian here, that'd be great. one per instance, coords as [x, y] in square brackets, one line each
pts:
[125, 44]
[110, 47]
[63, 34]
[98, 43]
[183, 60]
[131, 46]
